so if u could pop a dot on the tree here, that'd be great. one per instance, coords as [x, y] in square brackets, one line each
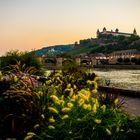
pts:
[28, 59]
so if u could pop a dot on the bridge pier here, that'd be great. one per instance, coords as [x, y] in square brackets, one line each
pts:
[59, 61]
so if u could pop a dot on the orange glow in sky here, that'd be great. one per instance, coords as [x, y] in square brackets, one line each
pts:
[33, 24]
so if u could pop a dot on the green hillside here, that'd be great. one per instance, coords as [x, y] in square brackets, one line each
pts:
[105, 44]
[80, 50]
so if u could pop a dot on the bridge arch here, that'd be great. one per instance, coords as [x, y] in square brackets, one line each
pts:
[50, 61]
[85, 62]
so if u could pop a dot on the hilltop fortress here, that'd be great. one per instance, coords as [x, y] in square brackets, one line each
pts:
[115, 33]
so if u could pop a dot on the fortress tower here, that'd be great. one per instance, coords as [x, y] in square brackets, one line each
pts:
[115, 33]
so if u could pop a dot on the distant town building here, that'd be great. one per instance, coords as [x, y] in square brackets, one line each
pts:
[115, 33]
[132, 53]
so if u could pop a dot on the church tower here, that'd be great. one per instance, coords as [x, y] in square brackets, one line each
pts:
[117, 30]
[104, 29]
[134, 32]
[97, 33]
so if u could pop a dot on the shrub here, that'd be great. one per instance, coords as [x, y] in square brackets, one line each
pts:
[64, 106]
[20, 103]
[27, 59]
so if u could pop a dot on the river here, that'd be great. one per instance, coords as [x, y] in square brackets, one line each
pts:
[129, 79]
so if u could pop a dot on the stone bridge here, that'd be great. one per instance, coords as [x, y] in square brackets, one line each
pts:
[59, 61]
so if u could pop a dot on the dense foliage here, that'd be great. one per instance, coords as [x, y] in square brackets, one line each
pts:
[27, 59]
[64, 105]
[128, 61]
[105, 44]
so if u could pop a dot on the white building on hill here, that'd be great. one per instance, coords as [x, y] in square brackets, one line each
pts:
[115, 33]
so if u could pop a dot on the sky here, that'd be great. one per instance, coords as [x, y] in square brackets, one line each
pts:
[27, 25]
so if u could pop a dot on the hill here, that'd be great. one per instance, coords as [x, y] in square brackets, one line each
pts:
[106, 45]
[55, 50]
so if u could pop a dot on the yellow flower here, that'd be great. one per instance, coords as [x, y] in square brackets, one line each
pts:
[62, 97]
[58, 78]
[87, 106]
[0, 75]
[48, 82]
[74, 86]
[95, 101]
[40, 93]
[85, 94]
[78, 119]
[103, 107]
[97, 121]
[36, 126]
[51, 127]
[28, 137]
[89, 82]
[95, 85]
[61, 102]
[117, 129]
[116, 101]
[97, 78]
[54, 98]
[65, 109]
[70, 105]
[15, 79]
[65, 117]
[81, 102]
[94, 108]
[108, 131]
[42, 115]
[71, 92]
[94, 91]
[51, 120]
[74, 97]
[53, 110]
[31, 133]
[69, 86]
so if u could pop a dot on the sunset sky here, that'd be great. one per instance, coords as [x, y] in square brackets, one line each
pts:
[33, 24]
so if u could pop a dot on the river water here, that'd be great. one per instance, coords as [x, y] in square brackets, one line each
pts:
[129, 79]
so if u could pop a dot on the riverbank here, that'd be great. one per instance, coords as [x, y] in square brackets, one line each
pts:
[123, 67]
[120, 91]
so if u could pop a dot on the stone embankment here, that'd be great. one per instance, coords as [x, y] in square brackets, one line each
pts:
[131, 98]
[120, 91]
[123, 67]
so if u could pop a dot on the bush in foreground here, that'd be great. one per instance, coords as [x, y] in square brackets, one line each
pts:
[65, 106]
[26, 59]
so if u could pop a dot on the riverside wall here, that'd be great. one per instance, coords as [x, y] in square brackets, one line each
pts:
[119, 91]
[129, 67]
